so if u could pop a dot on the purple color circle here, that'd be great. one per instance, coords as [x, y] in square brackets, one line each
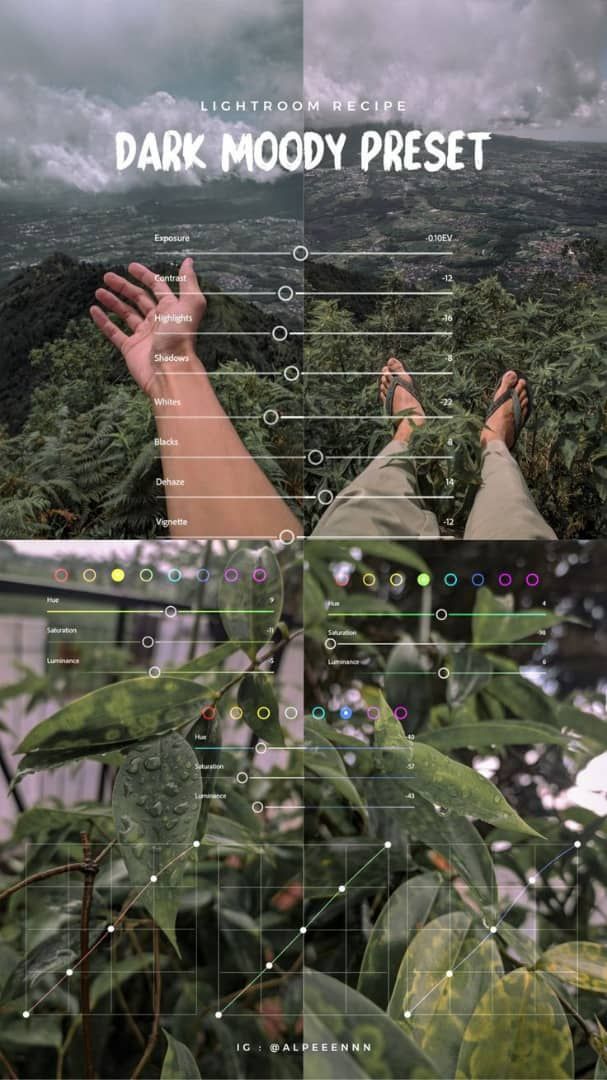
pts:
[505, 579]
[401, 712]
[234, 575]
[260, 575]
[532, 583]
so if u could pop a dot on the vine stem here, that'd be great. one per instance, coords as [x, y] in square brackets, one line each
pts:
[257, 662]
[90, 872]
[67, 868]
[10, 1072]
[40, 876]
[156, 1000]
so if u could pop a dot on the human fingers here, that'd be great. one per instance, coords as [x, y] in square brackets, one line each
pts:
[130, 292]
[124, 311]
[109, 329]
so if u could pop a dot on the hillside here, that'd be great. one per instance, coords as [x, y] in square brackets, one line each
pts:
[37, 305]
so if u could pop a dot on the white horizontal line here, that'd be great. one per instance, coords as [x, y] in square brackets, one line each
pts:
[401, 457]
[351, 498]
[385, 254]
[214, 333]
[449, 372]
[415, 292]
[411, 416]
[371, 333]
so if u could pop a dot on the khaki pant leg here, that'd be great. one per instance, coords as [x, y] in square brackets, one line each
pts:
[384, 500]
[503, 508]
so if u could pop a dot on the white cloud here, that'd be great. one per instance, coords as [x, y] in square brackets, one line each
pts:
[69, 138]
[494, 63]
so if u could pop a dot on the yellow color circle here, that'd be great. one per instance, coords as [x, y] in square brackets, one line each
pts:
[263, 713]
[369, 580]
[396, 580]
[118, 574]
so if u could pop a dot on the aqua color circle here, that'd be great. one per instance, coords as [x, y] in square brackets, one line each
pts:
[345, 712]
[505, 579]
[478, 580]
[203, 574]
[318, 713]
[450, 580]
[174, 575]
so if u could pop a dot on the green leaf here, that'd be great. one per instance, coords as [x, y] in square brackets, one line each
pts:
[40, 1031]
[585, 723]
[518, 1030]
[211, 660]
[156, 803]
[488, 627]
[50, 957]
[457, 840]
[42, 820]
[353, 1019]
[599, 1045]
[578, 963]
[441, 780]
[324, 761]
[251, 609]
[441, 1007]
[471, 670]
[489, 733]
[179, 1062]
[314, 605]
[44, 760]
[255, 695]
[115, 714]
[118, 973]
[399, 919]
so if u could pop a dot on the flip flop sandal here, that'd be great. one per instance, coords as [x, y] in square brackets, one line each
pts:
[408, 383]
[511, 395]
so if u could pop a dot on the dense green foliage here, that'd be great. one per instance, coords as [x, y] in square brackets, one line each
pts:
[525, 1002]
[81, 461]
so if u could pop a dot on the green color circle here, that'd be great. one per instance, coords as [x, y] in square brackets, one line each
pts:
[423, 579]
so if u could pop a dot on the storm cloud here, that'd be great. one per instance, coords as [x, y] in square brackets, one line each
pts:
[76, 71]
[525, 66]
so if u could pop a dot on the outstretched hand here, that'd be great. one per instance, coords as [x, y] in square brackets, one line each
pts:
[146, 317]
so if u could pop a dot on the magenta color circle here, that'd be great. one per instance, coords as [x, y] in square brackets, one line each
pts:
[505, 579]
[373, 713]
[536, 580]
[234, 574]
[260, 575]
[401, 712]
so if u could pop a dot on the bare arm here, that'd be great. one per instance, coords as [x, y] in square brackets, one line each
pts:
[212, 485]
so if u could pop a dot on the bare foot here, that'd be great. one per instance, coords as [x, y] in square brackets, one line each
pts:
[501, 424]
[403, 399]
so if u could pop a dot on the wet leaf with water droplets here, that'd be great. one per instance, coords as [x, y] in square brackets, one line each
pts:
[440, 779]
[156, 823]
[251, 597]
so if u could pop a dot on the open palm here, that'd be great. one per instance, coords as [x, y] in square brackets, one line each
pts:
[164, 323]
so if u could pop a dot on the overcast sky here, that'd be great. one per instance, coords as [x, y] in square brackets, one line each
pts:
[75, 71]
